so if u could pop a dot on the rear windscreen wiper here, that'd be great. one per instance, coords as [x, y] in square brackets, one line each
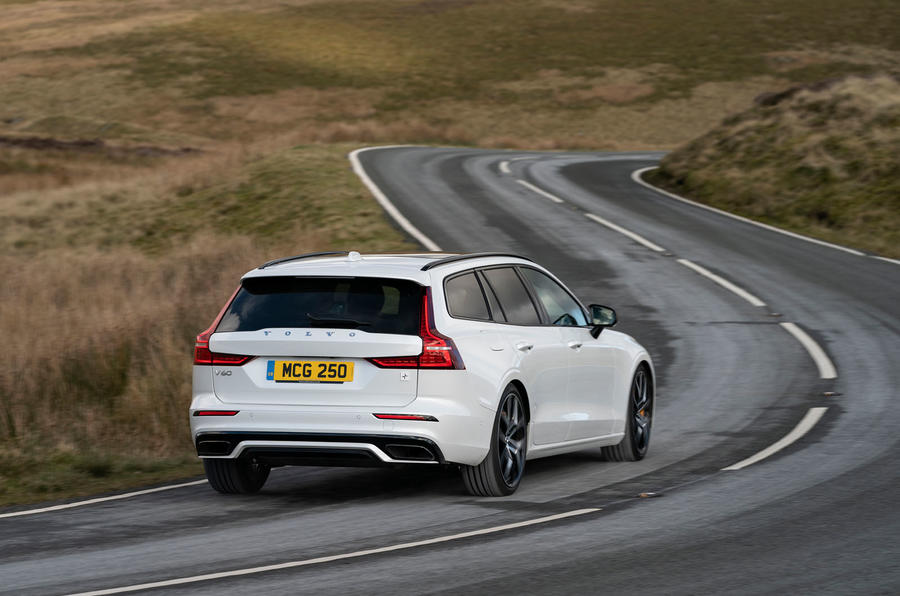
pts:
[339, 323]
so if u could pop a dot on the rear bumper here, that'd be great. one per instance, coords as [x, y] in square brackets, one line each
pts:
[319, 449]
[460, 435]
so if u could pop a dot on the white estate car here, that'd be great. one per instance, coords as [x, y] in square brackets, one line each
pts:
[478, 360]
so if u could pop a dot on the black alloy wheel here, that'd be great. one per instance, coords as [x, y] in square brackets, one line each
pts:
[501, 471]
[639, 418]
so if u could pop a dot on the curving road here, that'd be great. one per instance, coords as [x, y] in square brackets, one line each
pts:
[706, 293]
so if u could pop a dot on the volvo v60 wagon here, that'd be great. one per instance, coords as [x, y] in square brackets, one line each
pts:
[482, 361]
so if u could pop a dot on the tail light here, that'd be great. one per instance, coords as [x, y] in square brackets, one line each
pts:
[202, 354]
[438, 351]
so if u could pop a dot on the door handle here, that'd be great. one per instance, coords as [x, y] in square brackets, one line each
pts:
[524, 347]
[574, 344]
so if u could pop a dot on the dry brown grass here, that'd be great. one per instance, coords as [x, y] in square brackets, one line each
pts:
[303, 103]
[879, 58]
[615, 93]
[610, 85]
[100, 317]
[660, 124]
[96, 380]
[97, 344]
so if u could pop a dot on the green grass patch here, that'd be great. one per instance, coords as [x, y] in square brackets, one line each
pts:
[48, 476]
[303, 190]
[455, 51]
[296, 196]
[18, 165]
[227, 54]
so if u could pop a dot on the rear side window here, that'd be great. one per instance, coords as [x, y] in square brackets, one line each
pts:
[465, 299]
[513, 296]
[496, 311]
[560, 306]
[374, 305]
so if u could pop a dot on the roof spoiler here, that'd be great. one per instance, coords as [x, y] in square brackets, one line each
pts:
[473, 255]
[308, 255]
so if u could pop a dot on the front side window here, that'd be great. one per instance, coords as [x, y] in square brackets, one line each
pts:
[465, 299]
[512, 295]
[560, 306]
[375, 305]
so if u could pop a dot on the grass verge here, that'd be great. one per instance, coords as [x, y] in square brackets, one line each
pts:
[54, 474]
[820, 160]
[100, 324]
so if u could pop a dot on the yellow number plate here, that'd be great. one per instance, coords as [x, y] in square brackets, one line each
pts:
[296, 371]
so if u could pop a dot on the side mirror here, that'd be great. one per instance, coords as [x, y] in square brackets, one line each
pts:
[601, 317]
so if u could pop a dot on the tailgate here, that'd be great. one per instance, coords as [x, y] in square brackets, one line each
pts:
[320, 367]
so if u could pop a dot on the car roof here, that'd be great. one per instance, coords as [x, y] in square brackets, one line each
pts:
[390, 265]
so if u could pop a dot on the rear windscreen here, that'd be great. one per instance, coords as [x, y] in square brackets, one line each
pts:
[375, 305]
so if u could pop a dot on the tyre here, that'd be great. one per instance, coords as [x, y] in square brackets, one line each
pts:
[638, 419]
[501, 471]
[235, 476]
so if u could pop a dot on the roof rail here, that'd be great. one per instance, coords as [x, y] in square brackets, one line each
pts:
[304, 256]
[472, 255]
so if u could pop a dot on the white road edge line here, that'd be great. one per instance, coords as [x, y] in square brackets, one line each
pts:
[504, 167]
[636, 176]
[539, 191]
[636, 237]
[723, 282]
[806, 423]
[361, 553]
[385, 202]
[887, 260]
[823, 362]
[101, 499]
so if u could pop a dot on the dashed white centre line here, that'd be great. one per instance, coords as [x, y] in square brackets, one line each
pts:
[803, 427]
[636, 237]
[723, 282]
[540, 191]
[504, 167]
[823, 362]
[361, 553]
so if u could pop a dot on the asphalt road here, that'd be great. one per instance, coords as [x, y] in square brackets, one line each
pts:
[819, 516]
